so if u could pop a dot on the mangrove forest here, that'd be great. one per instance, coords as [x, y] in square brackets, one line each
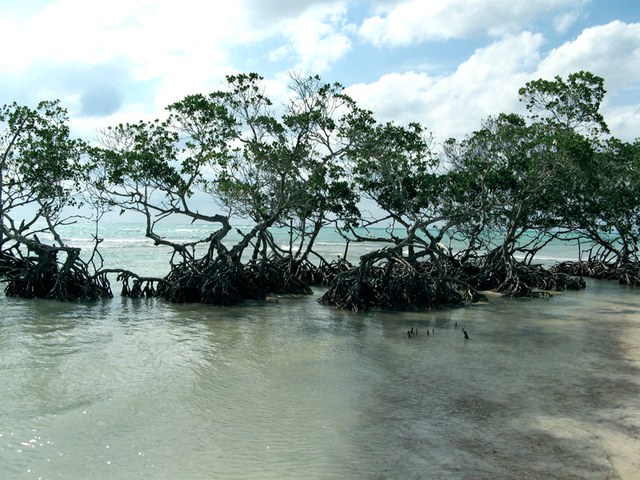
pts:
[461, 218]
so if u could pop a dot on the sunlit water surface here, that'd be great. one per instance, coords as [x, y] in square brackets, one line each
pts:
[545, 388]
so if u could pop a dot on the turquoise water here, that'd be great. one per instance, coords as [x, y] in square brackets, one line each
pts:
[125, 246]
[141, 388]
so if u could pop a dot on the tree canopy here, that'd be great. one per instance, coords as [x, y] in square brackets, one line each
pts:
[234, 156]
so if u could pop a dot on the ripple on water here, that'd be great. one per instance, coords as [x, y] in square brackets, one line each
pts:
[132, 389]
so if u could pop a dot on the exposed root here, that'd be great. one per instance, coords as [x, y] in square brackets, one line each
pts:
[40, 274]
[133, 285]
[625, 273]
[224, 281]
[396, 284]
[502, 273]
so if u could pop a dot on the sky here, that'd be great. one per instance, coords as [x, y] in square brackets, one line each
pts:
[447, 64]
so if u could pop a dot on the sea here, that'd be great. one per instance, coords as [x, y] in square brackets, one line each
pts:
[122, 388]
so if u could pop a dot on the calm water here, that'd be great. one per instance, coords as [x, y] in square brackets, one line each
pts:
[546, 388]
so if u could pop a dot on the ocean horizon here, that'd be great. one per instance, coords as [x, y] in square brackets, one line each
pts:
[124, 244]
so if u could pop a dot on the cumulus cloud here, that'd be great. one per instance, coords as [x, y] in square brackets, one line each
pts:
[487, 82]
[623, 120]
[611, 50]
[564, 21]
[125, 60]
[453, 105]
[169, 41]
[315, 39]
[416, 20]
[185, 45]
[318, 44]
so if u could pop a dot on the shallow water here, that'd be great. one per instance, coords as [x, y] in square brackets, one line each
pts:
[545, 388]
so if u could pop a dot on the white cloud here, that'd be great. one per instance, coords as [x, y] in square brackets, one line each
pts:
[400, 97]
[265, 14]
[454, 105]
[623, 121]
[418, 20]
[318, 37]
[182, 44]
[178, 47]
[564, 21]
[155, 52]
[487, 82]
[611, 51]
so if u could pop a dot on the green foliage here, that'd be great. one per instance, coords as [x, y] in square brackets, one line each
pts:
[37, 153]
[610, 213]
[510, 186]
[573, 103]
[394, 166]
[40, 165]
[287, 166]
[533, 177]
[145, 154]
